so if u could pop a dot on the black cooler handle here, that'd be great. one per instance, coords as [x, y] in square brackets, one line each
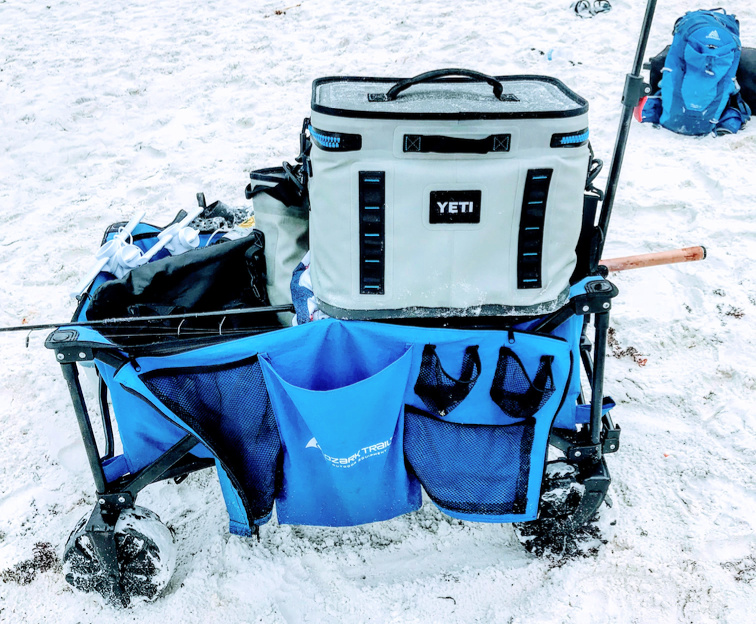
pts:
[393, 92]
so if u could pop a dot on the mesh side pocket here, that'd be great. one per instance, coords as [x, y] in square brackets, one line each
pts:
[437, 389]
[470, 469]
[228, 406]
[512, 389]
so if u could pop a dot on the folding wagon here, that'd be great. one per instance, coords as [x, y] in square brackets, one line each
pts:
[451, 328]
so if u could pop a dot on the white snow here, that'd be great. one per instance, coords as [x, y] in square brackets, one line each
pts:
[111, 107]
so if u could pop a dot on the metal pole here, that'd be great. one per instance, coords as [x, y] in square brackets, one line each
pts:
[71, 375]
[107, 425]
[601, 322]
[634, 91]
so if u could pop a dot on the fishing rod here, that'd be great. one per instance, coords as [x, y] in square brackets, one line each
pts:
[686, 254]
[656, 258]
[144, 319]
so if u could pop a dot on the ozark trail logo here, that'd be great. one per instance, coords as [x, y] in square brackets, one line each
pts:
[372, 450]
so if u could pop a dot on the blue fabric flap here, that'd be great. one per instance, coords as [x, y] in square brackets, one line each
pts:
[583, 412]
[338, 391]
[343, 458]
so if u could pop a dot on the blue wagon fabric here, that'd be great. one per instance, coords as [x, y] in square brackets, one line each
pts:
[482, 460]
[340, 391]
[343, 442]
[229, 407]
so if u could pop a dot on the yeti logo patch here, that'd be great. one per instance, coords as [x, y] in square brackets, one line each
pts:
[454, 207]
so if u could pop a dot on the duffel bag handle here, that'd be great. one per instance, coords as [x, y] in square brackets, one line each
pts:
[400, 86]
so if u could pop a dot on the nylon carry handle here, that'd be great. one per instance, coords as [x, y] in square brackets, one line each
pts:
[400, 86]
[427, 144]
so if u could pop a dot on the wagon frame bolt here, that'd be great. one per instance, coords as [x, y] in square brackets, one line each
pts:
[101, 501]
[82, 355]
[121, 499]
[60, 356]
[586, 308]
[578, 453]
[606, 305]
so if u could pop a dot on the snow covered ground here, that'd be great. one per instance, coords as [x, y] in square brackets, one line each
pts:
[106, 107]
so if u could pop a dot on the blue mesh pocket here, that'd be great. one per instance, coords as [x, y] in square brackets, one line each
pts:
[229, 407]
[439, 391]
[514, 392]
[479, 470]
[479, 467]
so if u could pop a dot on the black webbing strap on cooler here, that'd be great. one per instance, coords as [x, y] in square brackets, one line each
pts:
[435, 144]
[335, 141]
[530, 245]
[372, 232]
[570, 139]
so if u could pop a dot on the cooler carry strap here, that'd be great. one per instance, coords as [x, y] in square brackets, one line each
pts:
[426, 144]
[393, 92]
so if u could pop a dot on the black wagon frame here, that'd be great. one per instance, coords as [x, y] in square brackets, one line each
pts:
[585, 448]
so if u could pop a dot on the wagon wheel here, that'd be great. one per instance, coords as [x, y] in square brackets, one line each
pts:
[562, 529]
[145, 552]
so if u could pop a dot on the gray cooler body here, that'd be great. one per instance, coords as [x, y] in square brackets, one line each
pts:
[448, 199]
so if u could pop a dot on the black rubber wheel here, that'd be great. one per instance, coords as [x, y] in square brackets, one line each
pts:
[555, 533]
[146, 558]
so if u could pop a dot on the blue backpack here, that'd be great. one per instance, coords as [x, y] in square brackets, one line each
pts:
[699, 93]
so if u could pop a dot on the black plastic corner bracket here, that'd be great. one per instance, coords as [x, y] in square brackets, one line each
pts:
[74, 353]
[596, 480]
[611, 437]
[100, 529]
[635, 89]
[597, 298]
[589, 453]
[60, 336]
[115, 501]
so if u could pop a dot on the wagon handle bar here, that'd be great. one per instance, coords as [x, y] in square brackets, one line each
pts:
[634, 90]
[656, 258]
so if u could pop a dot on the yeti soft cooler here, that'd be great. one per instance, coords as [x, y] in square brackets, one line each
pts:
[441, 195]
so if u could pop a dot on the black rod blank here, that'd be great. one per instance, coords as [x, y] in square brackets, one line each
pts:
[142, 319]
